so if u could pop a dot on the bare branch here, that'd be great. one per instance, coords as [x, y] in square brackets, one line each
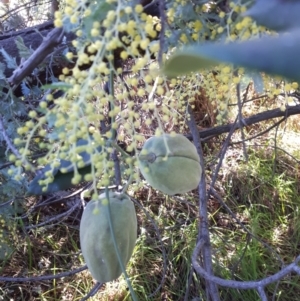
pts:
[117, 168]
[293, 267]
[52, 40]
[163, 21]
[93, 291]
[240, 115]
[276, 124]
[263, 116]
[203, 234]
[44, 277]
[262, 293]
[57, 218]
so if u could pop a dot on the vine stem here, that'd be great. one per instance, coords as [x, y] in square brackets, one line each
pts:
[133, 295]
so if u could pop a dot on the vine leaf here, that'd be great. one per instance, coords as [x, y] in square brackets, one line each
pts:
[276, 14]
[61, 175]
[274, 55]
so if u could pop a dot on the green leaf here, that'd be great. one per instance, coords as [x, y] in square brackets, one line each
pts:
[24, 51]
[189, 59]
[61, 180]
[25, 89]
[255, 77]
[274, 55]
[10, 61]
[276, 14]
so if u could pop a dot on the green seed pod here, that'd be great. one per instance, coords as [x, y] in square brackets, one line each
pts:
[170, 163]
[95, 235]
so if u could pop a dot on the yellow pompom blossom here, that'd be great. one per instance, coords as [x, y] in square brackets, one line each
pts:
[139, 8]
[119, 48]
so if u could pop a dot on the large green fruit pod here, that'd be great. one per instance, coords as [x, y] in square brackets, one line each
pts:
[170, 163]
[96, 240]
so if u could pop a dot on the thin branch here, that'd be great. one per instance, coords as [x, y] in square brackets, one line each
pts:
[20, 7]
[6, 203]
[293, 267]
[221, 156]
[263, 116]
[275, 147]
[261, 133]
[203, 234]
[187, 291]
[57, 218]
[44, 277]
[275, 291]
[117, 168]
[240, 115]
[93, 291]
[162, 31]
[236, 264]
[53, 200]
[279, 148]
[262, 293]
[7, 164]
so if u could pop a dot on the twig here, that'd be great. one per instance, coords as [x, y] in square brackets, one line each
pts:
[262, 293]
[275, 291]
[263, 116]
[44, 277]
[5, 165]
[221, 156]
[261, 133]
[191, 272]
[240, 115]
[24, 6]
[57, 218]
[203, 235]
[6, 203]
[279, 148]
[293, 267]
[235, 266]
[162, 14]
[275, 146]
[93, 291]
[117, 168]
[54, 200]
